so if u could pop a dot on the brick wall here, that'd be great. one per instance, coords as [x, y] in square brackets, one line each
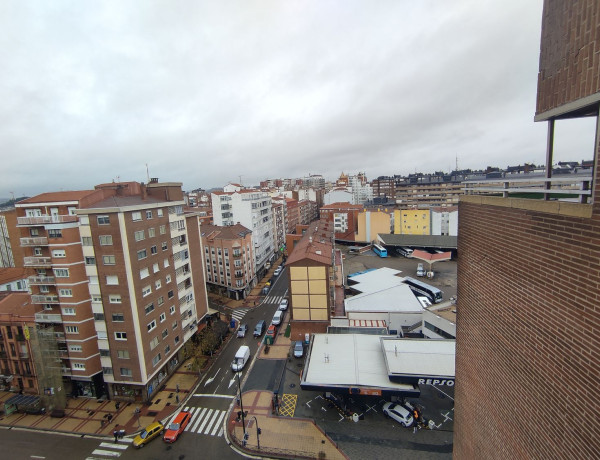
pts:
[570, 52]
[528, 334]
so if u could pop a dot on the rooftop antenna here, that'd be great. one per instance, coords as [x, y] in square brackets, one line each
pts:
[147, 173]
[240, 179]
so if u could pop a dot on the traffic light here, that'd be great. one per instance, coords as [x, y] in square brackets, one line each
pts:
[258, 431]
[246, 436]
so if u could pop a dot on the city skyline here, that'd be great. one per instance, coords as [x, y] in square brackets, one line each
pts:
[208, 94]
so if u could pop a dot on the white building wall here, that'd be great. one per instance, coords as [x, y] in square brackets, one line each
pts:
[339, 196]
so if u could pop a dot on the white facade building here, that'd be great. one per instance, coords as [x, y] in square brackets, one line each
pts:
[444, 221]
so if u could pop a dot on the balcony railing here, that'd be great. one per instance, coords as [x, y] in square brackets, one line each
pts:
[48, 318]
[44, 299]
[572, 187]
[60, 336]
[45, 219]
[35, 241]
[37, 261]
[41, 280]
[66, 371]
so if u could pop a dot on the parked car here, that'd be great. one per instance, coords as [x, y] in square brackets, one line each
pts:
[420, 270]
[277, 271]
[241, 358]
[148, 434]
[242, 330]
[271, 331]
[177, 426]
[284, 304]
[398, 413]
[260, 328]
[298, 349]
[278, 317]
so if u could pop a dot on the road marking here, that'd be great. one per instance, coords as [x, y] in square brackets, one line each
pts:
[114, 446]
[218, 424]
[446, 417]
[212, 378]
[214, 395]
[210, 411]
[212, 420]
[106, 453]
[197, 422]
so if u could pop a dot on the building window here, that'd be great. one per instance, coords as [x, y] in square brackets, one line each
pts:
[68, 311]
[106, 240]
[136, 215]
[96, 298]
[159, 212]
[149, 308]
[170, 294]
[90, 261]
[65, 292]
[103, 220]
[155, 268]
[107, 370]
[120, 335]
[165, 333]
[144, 273]
[168, 279]
[59, 253]
[71, 329]
[139, 235]
[123, 354]
[151, 233]
[125, 372]
[142, 254]
[114, 298]
[118, 317]
[86, 240]
[176, 339]
[54, 233]
[163, 316]
[75, 348]
[174, 325]
[112, 280]
[162, 229]
[61, 272]
[165, 246]
[146, 290]
[167, 349]
[153, 250]
[104, 353]
[79, 366]
[34, 232]
[160, 301]
[108, 260]
[151, 325]
[166, 263]
[156, 360]
[153, 343]
[148, 214]
[172, 309]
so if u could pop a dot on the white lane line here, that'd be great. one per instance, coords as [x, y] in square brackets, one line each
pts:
[213, 395]
[114, 446]
[205, 420]
[212, 420]
[218, 424]
[106, 453]
[200, 416]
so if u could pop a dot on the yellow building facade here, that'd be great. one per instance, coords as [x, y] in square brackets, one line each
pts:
[371, 223]
[412, 222]
[309, 293]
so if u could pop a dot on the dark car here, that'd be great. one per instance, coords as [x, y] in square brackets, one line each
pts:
[260, 328]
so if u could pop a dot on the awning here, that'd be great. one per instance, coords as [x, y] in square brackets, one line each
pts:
[23, 400]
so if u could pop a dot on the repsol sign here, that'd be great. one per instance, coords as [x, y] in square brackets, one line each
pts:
[448, 383]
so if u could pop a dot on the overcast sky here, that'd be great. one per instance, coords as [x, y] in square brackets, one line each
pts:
[204, 92]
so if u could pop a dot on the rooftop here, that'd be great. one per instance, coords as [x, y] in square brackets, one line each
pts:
[227, 232]
[10, 274]
[55, 197]
[18, 305]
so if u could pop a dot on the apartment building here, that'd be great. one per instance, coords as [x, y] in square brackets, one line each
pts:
[412, 221]
[372, 222]
[52, 246]
[384, 187]
[444, 221]
[252, 209]
[344, 217]
[293, 214]
[11, 254]
[529, 281]
[424, 190]
[280, 219]
[147, 293]
[229, 259]
[15, 279]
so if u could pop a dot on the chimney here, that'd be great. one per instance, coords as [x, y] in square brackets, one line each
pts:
[144, 191]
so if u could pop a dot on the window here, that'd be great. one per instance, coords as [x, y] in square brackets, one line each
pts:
[168, 279]
[71, 210]
[165, 333]
[112, 280]
[142, 254]
[176, 339]
[104, 353]
[71, 329]
[153, 250]
[165, 246]
[54, 233]
[156, 360]
[123, 354]
[79, 366]
[174, 325]
[139, 235]
[166, 263]
[136, 215]
[90, 261]
[170, 294]
[148, 214]
[146, 290]
[151, 325]
[98, 316]
[155, 268]
[114, 298]
[161, 300]
[61, 272]
[65, 292]
[151, 233]
[34, 232]
[149, 308]
[153, 343]
[118, 317]
[68, 311]
[163, 316]
[172, 309]
[144, 273]
[96, 298]
[108, 260]
[125, 372]
[75, 348]
[167, 349]
[37, 251]
[59, 253]
[120, 335]
[86, 240]
[103, 220]
[107, 370]
[106, 240]
[159, 212]
[157, 284]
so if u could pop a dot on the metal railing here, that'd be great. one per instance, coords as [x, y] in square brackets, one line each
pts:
[34, 241]
[37, 261]
[41, 280]
[44, 299]
[571, 187]
[48, 318]
[45, 219]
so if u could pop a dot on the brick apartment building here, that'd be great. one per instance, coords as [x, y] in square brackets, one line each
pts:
[229, 259]
[11, 254]
[344, 217]
[528, 326]
[116, 283]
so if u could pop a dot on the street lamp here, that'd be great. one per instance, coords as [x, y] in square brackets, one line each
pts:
[241, 405]
[258, 431]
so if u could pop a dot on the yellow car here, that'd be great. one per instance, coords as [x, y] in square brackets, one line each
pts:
[152, 431]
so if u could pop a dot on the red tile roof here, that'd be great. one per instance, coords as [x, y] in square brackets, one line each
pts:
[18, 306]
[52, 197]
[14, 274]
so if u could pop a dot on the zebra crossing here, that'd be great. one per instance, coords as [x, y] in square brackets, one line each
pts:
[275, 299]
[204, 421]
[108, 450]
[239, 313]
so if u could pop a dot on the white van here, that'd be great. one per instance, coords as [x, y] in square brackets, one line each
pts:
[241, 358]
[278, 317]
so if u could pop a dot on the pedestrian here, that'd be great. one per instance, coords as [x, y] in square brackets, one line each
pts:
[116, 435]
[177, 388]
[109, 417]
[117, 405]
[414, 427]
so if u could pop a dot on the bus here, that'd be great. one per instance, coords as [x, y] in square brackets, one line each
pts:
[418, 287]
[379, 250]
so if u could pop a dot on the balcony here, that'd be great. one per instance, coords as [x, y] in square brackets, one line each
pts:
[36, 241]
[41, 280]
[60, 336]
[66, 371]
[45, 219]
[44, 299]
[38, 261]
[23, 355]
[48, 318]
